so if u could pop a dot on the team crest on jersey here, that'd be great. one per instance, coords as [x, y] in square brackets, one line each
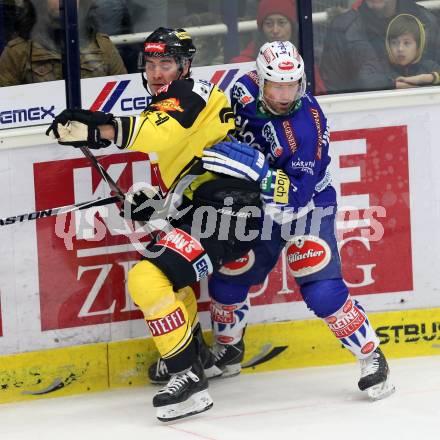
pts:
[307, 254]
[239, 266]
[168, 105]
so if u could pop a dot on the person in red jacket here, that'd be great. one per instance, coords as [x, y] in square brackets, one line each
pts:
[277, 20]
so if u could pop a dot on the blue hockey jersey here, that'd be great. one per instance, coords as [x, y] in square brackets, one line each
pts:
[296, 146]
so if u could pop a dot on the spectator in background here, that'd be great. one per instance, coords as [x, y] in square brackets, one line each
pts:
[8, 14]
[405, 44]
[112, 17]
[355, 56]
[277, 21]
[17, 20]
[210, 47]
[147, 15]
[38, 58]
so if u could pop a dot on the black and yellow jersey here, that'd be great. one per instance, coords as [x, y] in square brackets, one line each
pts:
[184, 118]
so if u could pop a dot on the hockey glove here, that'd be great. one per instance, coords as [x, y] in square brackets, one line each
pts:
[79, 128]
[141, 205]
[236, 159]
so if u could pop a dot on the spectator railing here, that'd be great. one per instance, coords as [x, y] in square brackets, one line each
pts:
[243, 26]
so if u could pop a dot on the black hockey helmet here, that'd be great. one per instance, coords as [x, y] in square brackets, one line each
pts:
[167, 42]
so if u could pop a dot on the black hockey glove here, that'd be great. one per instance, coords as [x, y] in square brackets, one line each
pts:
[79, 128]
[141, 205]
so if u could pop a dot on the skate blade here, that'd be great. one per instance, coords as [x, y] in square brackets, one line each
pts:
[232, 370]
[196, 404]
[381, 390]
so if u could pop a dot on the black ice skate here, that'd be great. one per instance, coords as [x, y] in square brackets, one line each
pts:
[375, 376]
[158, 372]
[228, 358]
[184, 395]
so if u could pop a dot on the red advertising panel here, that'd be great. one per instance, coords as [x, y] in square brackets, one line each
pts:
[82, 276]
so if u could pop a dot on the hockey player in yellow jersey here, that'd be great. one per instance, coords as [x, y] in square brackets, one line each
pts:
[184, 117]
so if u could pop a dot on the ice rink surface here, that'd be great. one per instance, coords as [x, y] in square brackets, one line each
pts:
[305, 404]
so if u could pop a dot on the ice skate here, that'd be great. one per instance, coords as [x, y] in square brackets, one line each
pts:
[228, 358]
[158, 372]
[185, 394]
[375, 378]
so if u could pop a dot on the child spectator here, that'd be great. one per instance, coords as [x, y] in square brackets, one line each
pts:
[354, 57]
[405, 43]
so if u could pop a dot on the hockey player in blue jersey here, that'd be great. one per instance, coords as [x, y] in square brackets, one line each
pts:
[283, 143]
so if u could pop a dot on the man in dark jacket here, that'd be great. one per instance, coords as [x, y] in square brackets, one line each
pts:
[38, 58]
[355, 57]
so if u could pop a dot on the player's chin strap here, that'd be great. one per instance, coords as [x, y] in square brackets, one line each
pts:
[145, 84]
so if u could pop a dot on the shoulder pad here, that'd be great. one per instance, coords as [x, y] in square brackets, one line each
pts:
[309, 97]
[250, 76]
[240, 92]
[177, 87]
[203, 88]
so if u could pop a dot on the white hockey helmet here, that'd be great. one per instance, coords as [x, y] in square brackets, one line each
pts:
[280, 61]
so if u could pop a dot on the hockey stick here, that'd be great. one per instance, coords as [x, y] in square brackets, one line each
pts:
[111, 183]
[57, 211]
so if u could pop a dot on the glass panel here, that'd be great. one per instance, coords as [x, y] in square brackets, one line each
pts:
[354, 53]
[205, 19]
[272, 20]
[211, 24]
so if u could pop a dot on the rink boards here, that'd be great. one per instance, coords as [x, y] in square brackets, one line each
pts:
[67, 324]
[272, 346]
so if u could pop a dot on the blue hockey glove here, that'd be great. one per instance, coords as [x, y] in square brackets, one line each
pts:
[237, 160]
